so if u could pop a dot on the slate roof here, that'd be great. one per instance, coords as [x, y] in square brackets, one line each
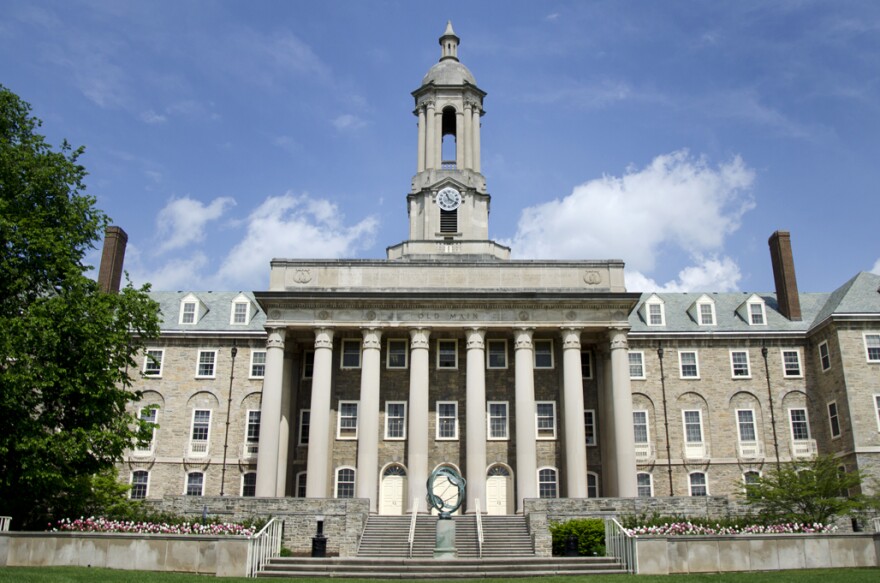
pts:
[217, 317]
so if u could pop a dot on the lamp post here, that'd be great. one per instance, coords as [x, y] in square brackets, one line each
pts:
[665, 417]
[228, 410]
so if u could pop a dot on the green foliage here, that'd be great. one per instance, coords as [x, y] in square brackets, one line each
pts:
[66, 349]
[590, 533]
[807, 491]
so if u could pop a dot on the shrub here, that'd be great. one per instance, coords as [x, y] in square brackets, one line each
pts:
[590, 533]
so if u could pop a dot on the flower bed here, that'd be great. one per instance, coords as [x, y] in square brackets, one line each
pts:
[689, 529]
[93, 524]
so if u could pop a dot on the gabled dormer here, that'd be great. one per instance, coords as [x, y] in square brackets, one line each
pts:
[192, 309]
[653, 311]
[702, 311]
[242, 310]
[753, 311]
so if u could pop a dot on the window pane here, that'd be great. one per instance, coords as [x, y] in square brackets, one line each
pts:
[547, 483]
[706, 314]
[206, 363]
[249, 485]
[351, 354]
[644, 485]
[153, 363]
[872, 343]
[693, 429]
[240, 315]
[304, 421]
[586, 364]
[446, 354]
[590, 427]
[799, 429]
[497, 354]
[688, 364]
[746, 421]
[139, 481]
[640, 426]
[397, 354]
[498, 420]
[253, 427]
[792, 363]
[636, 368]
[698, 484]
[258, 363]
[543, 354]
[194, 483]
[740, 361]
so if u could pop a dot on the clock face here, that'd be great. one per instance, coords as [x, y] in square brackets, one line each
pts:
[448, 199]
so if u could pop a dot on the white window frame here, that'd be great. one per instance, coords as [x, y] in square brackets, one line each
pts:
[834, 419]
[439, 418]
[186, 483]
[748, 364]
[806, 423]
[192, 429]
[348, 342]
[243, 476]
[496, 342]
[868, 348]
[588, 354]
[489, 419]
[308, 367]
[596, 487]
[800, 365]
[684, 424]
[877, 409]
[641, 356]
[745, 473]
[303, 436]
[252, 444]
[155, 418]
[388, 343]
[823, 348]
[388, 405]
[543, 341]
[454, 342]
[711, 305]
[590, 421]
[336, 481]
[300, 484]
[739, 423]
[691, 484]
[184, 312]
[751, 315]
[555, 481]
[146, 485]
[251, 374]
[640, 486]
[655, 302]
[538, 418]
[199, 354]
[339, 418]
[681, 374]
[148, 359]
[647, 425]
[247, 313]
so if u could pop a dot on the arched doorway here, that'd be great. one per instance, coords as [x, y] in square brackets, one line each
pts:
[393, 490]
[499, 489]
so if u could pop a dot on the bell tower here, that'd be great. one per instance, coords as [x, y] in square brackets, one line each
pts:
[448, 204]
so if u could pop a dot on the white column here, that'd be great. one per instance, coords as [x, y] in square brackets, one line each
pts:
[421, 162]
[573, 410]
[623, 418]
[267, 454]
[284, 426]
[438, 140]
[607, 443]
[476, 419]
[526, 450]
[368, 419]
[459, 140]
[417, 434]
[468, 141]
[476, 139]
[318, 460]
[430, 126]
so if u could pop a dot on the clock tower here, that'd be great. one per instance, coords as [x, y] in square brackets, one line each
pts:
[448, 204]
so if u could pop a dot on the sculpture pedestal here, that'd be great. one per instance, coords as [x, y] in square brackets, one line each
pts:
[445, 545]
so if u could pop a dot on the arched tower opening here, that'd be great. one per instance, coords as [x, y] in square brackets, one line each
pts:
[450, 138]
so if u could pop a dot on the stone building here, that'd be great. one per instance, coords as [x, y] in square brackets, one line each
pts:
[357, 378]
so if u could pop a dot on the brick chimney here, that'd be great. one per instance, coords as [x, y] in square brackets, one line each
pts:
[783, 273]
[112, 257]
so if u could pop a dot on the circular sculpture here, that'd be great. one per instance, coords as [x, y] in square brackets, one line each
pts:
[446, 491]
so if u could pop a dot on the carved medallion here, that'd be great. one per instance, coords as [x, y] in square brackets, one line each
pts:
[323, 315]
[592, 278]
[371, 315]
[302, 276]
[524, 316]
[275, 314]
[570, 316]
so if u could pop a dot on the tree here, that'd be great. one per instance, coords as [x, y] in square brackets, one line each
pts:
[66, 348]
[807, 491]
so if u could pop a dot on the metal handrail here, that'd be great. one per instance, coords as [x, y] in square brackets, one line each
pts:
[263, 546]
[412, 525]
[5, 521]
[620, 544]
[479, 527]
[876, 521]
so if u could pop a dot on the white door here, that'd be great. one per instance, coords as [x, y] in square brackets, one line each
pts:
[497, 482]
[393, 490]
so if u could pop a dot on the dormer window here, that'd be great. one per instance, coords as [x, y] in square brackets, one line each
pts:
[704, 311]
[654, 311]
[191, 309]
[241, 311]
[753, 311]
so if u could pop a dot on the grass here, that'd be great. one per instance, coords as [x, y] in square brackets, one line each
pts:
[86, 575]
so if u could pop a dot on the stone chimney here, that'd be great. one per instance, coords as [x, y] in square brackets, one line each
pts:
[783, 274]
[112, 257]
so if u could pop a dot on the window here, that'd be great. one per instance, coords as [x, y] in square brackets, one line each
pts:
[640, 426]
[590, 426]
[693, 426]
[756, 313]
[201, 432]
[351, 354]
[644, 485]
[188, 313]
[140, 480]
[824, 356]
[745, 422]
[252, 435]
[304, 421]
[706, 313]
[148, 415]
[195, 483]
[636, 364]
[547, 485]
[345, 483]
[153, 362]
[592, 485]
[545, 413]
[447, 354]
[447, 420]
[687, 362]
[586, 364]
[543, 354]
[395, 420]
[301, 485]
[258, 364]
[800, 429]
[877, 408]
[751, 477]
[497, 413]
[872, 347]
[739, 364]
[698, 485]
[240, 313]
[656, 315]
[308, 363]
[833, 420]
[496, 355]
[207, 359]
[249, 485]
[791, 363]
[396, 354]
[348, 420]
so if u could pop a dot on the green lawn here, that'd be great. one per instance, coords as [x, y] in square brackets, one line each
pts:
[80, 574]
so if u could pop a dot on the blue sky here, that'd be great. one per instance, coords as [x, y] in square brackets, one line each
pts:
[676, 135]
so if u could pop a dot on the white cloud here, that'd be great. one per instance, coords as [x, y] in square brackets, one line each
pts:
[876, 268]
[348, 122]
[179, 273]
[676, 201]
[709, 274]
[183, 220]
[152, 117]
[292, 226]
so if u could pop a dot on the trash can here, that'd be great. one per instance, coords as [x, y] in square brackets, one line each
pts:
[571, 546]
[319, 546]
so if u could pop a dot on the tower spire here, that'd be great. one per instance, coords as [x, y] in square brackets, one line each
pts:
[449, 43]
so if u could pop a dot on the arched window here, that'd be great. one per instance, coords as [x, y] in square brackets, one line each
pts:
[195, 484]
[140, 480]
[645, 485]
[547, 483]
[449, 142]
[345, 483]
[249, 484]
[592, 485]
[394, 470]
[300, 485]
[699, 484]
